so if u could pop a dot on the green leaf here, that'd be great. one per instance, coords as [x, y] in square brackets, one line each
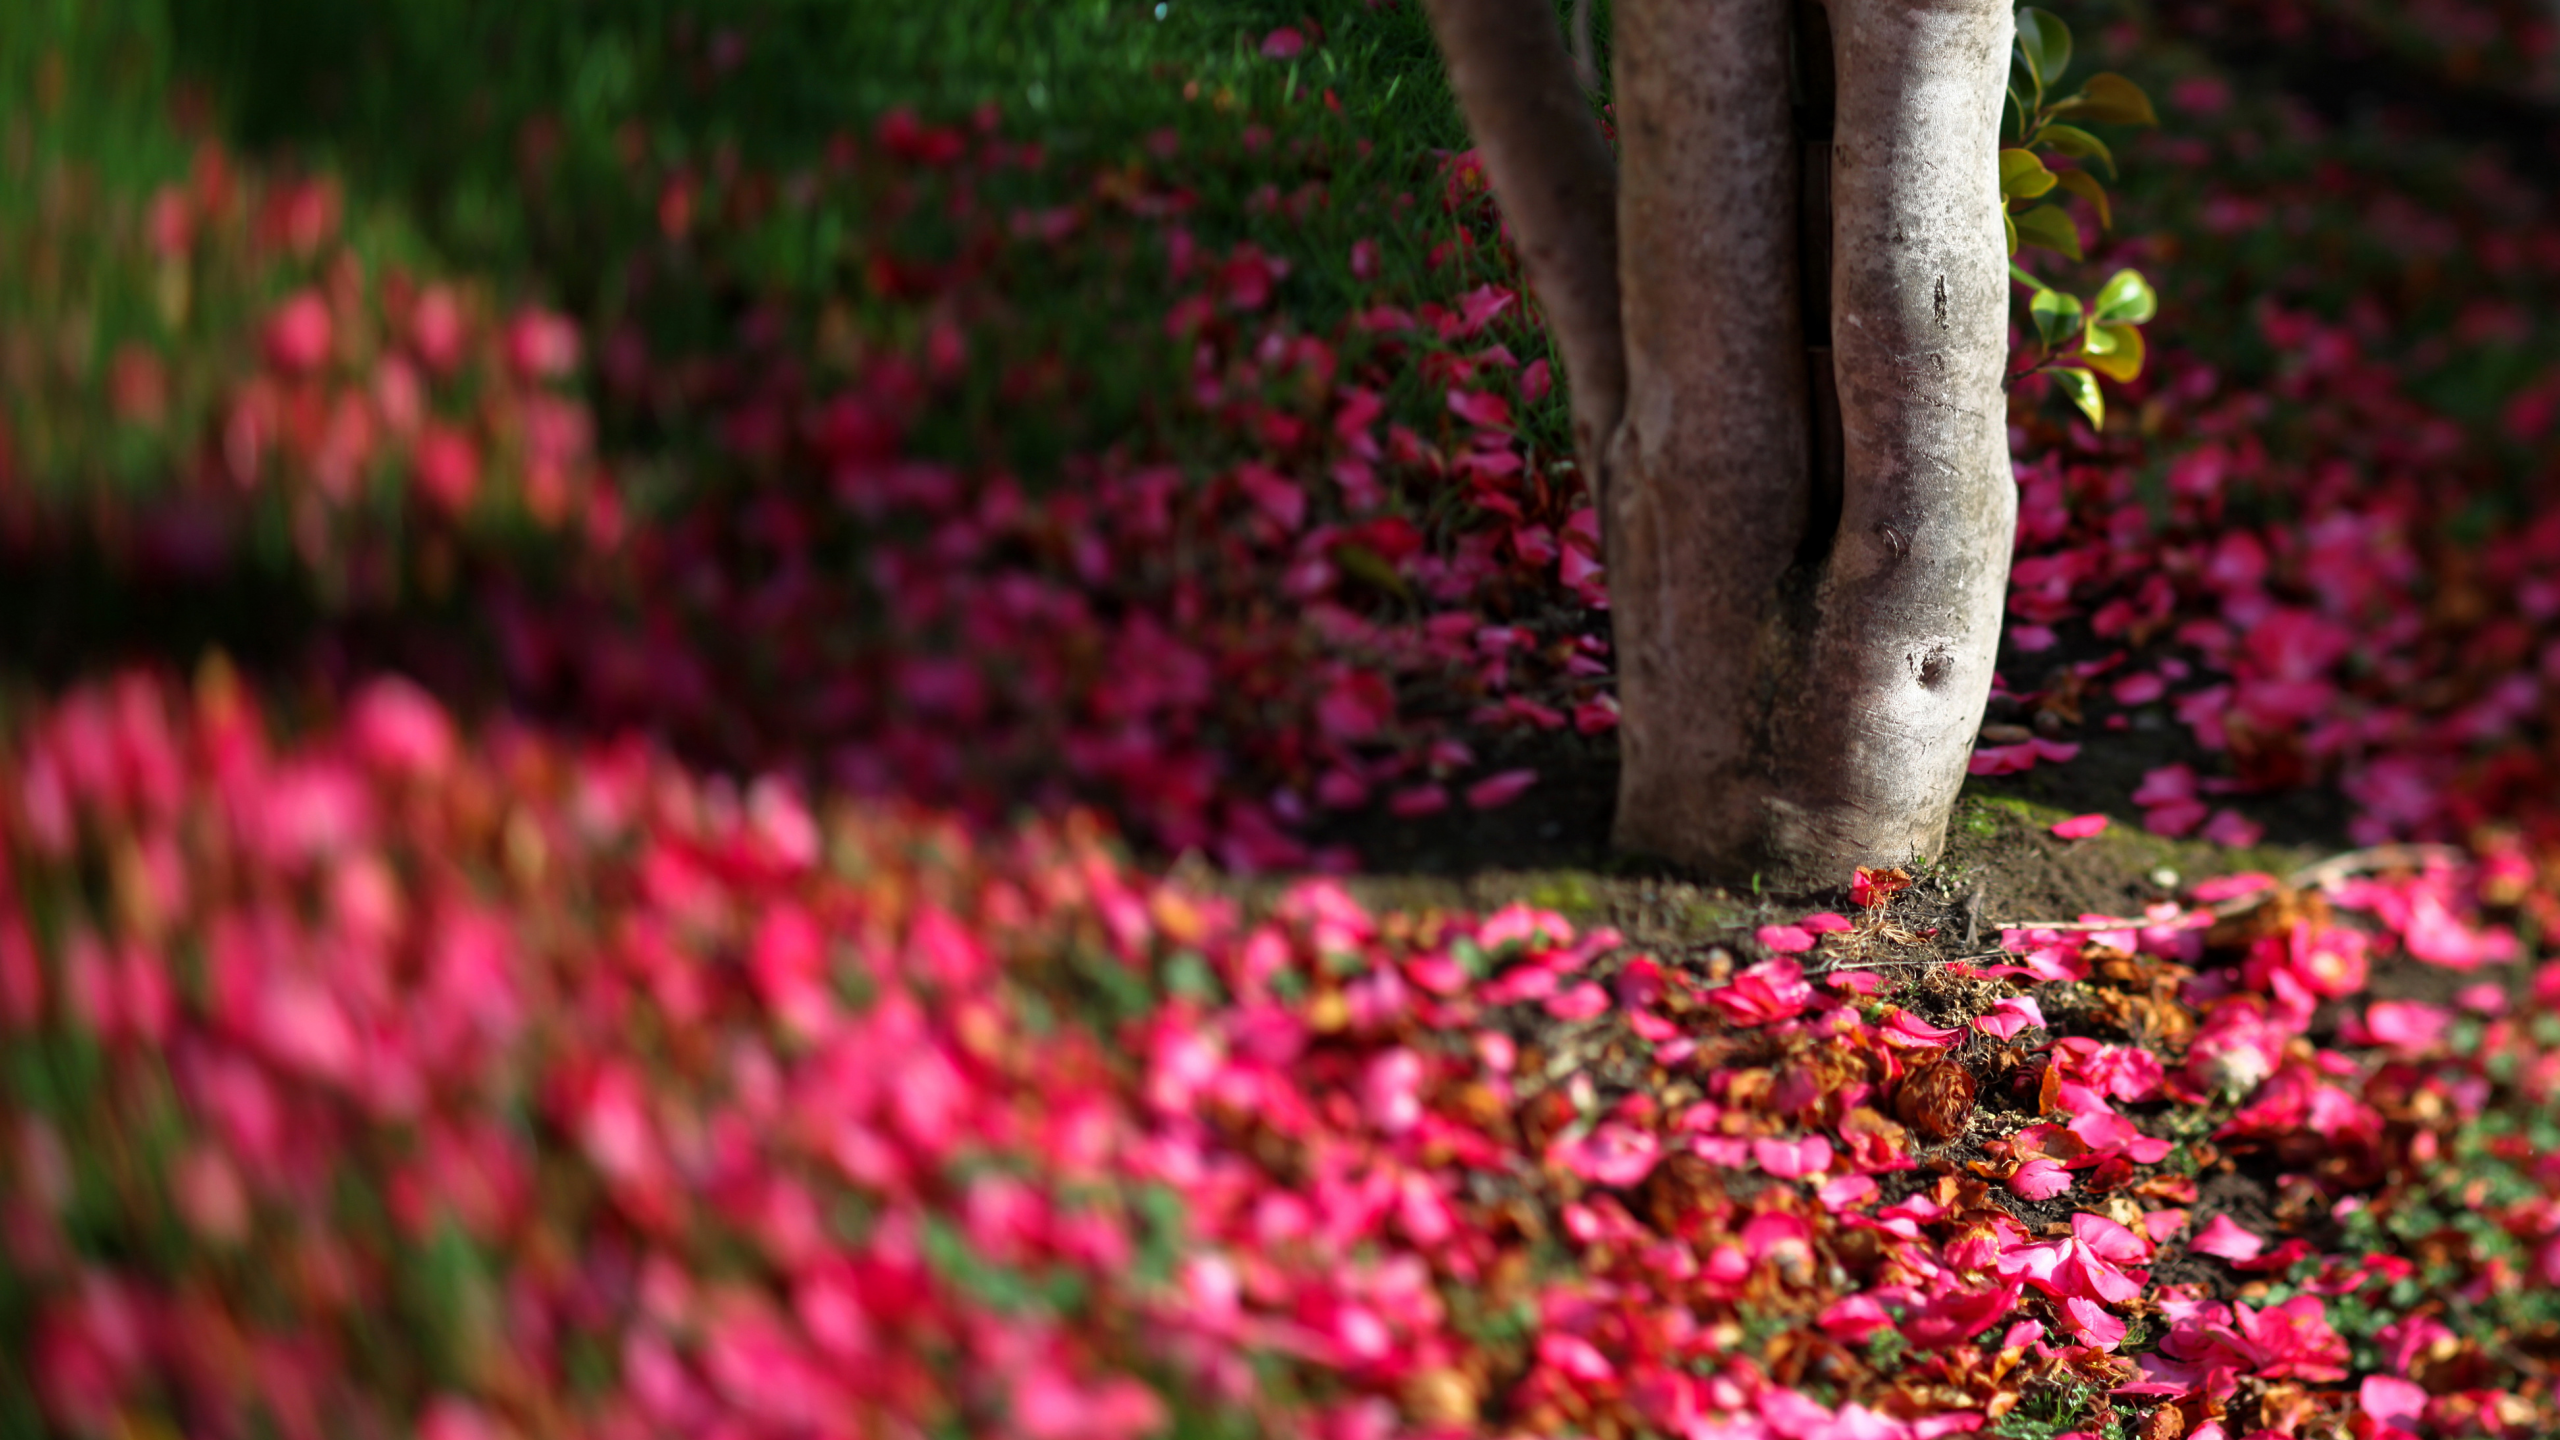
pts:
[2019, 273]
[2024, 84]
[2045, 42]
[2082, 387]
[2109, 99]
[2058, 317]
[1188, 975]
[2013, 114]
[2047, 226]
[2126, 299]
[2086, 186]
[2115, 351]
[2022, 175]
[2079, 144]
[1362, 563]
[2011, 226]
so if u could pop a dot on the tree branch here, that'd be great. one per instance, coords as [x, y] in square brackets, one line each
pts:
[1558, 187]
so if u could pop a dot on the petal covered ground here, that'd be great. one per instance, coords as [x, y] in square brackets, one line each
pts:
[651, 1103]
[381, 1062]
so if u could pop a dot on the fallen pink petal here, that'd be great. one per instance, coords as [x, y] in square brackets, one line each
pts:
[2040, 1179]
[1785, 939]
[1495, 791]
[2223, 1237]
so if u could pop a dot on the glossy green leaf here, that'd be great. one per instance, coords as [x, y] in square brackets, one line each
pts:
[2019, 273]
[2045, 42]
[2079, 144]
[2082, 387]
[2023, 176]
[2011, 226]
[2126, 299]
[2013, 116]
[2109, 99]
[2086, 186]
[2058, 318]
[2048, 226]
[2023, 82]
[2115, 351]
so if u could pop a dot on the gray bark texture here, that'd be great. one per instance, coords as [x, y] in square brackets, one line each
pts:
[1803, 658]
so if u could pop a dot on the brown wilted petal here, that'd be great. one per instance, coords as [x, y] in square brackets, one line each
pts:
[1440, 1396]
[1936, 1100]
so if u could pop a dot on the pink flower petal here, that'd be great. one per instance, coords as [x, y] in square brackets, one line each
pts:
[2222, 1237]
[2109, 1240]
[2227, 887]
[2040, 1179]
[1793, 1159]
[2408, 1026]
[2000, 760]
[1480, 408]
[2174, 817]
[1501, 789]
[1784, 939]
[2080, 827]
[2486, 998]
[1764, 994]
[2092, 1324]
[2391, 1400]
[1418, 801]
[1825, 922]
[1906, 1029]
[2010, 1016]
[1613, 1154]
[1847, 1193]
[2229, 827]
[1579, 1003]
[1284, 43]
[1852, 1320]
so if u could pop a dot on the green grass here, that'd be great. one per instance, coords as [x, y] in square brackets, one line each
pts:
[430, 102]
[1986, 824]
[2064, 1410]
[525, 144]
[523, 147]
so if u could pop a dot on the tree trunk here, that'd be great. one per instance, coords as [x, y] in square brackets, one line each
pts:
[1804, 652]
[1907, 615]
[1713, 497]
[1557, 185]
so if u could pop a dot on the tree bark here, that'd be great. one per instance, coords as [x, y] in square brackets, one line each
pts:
[1711, 494]
[1558, 187]
[1802, 665]
[1907, 612]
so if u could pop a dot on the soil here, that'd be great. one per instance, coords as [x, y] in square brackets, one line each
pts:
[2244, 1191]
